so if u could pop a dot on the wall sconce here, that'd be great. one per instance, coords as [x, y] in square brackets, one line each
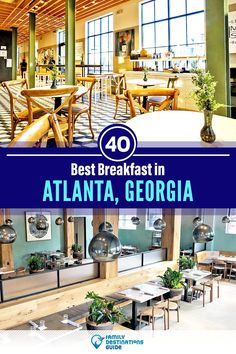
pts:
[7, 232]
[59, 221]
[197, 221]
[39, 222]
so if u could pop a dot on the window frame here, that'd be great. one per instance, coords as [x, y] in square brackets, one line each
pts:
[110, 50]
[186, 15]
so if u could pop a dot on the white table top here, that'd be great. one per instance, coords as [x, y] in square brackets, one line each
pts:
[195, 274]
[149, 82]
[144, 292]
[227, 259]
[181, 128]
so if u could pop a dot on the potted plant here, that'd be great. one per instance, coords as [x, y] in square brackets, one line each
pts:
[54, 75]
[172, 280]
[102, 313]
[77, 251]
[145, 70]
[186, 262]
[204, 96]
[36, 264]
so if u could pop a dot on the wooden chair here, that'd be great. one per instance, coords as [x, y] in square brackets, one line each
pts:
[14, 88]
[219, 267]
[153, 313]
[232, 271]
[156, 101]
[65, 123]
[120, 87]
[170, 305]
[171, 98]
[201, 289]
[36, 134]
[79, 108]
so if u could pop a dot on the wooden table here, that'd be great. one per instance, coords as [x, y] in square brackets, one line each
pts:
[146, 84]
[181, 128]
[194, 275]
[141, 294]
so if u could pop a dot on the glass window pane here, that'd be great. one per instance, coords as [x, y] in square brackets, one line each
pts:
[97, 44]
[104, 42]
[177, 8]
[194, 6]
[162, 34]
[97, 27]
[91, 28]
[161, 9]
[111, 41]
[91, 44]
[110, 23]
[104, 24]
[178, 31]
[148, 12]
[196, 28]
[148, 36]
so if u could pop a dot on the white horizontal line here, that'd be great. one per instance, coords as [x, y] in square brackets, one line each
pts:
[137, 155]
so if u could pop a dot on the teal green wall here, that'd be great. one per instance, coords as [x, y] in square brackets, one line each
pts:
[22, 249]
[140, 237]
[221, 242]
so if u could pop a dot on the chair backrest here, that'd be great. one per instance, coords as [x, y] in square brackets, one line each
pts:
[170, 95]
[33, 94]
[171, 82]
[34, 134]
[218, 262]
[120, 83]
[89, 82]
[14, 88]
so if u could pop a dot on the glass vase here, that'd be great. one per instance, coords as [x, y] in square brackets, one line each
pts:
[207, 132]
[54, 84]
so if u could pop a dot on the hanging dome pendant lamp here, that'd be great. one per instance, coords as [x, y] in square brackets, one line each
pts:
[105, 246]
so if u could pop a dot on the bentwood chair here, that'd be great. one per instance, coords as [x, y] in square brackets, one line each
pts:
[219, 267]
[36, 134]
[65, 123]
[120, 85]
[18, 105]
[170, 98]
[153, 313]
[232, 271]
[156, 101]
[79, 108]
[201, 289]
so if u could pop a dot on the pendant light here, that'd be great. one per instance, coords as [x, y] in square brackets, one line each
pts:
[135, 220]
[197, 221]
[159, 225]
[7, 232]
[105, 246]
[105, 227]
[203, 233]
[226, 219]
[59, 221]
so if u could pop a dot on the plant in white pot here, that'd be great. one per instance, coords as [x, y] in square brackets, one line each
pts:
[173, 280]
[103, 313]
[204, 96]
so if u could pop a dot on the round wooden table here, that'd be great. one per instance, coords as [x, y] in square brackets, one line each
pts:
[181, 128]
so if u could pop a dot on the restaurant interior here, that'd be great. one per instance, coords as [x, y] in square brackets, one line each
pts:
[89, 64]
[153, 269]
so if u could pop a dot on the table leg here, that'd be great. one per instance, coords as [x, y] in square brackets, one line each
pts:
[57, 103]
[145, 99]
[134, 323]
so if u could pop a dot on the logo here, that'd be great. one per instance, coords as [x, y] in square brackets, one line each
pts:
[97, 341]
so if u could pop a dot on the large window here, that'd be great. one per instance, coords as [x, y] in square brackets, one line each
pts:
[100, 43]
[170, 25]
[61, 47]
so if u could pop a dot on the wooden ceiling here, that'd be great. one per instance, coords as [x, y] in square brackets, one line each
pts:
[50, 14]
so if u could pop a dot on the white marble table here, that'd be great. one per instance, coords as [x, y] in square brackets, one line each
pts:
[181, 129]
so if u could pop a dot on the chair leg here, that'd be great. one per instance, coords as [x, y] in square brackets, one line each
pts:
[117, 104]
[140, 320]
[153, 323]
[211, 294]
[218, 289]
[164, 319]
[192, 294]
[168, 319]
[203, 298]
[13, 128]
[90, 124]
[178, 314]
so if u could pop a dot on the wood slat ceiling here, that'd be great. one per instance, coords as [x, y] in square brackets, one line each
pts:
[50, 14]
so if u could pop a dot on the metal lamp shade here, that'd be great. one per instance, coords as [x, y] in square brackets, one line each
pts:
[105, 226]
[225, 220]
[59, 221]
[197, 221]
[203, 233]
[135, 220]
[7, 234]
[159, 225]
[105, 247]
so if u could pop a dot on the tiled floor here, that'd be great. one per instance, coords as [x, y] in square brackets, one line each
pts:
[102, 115]
[218, 315]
